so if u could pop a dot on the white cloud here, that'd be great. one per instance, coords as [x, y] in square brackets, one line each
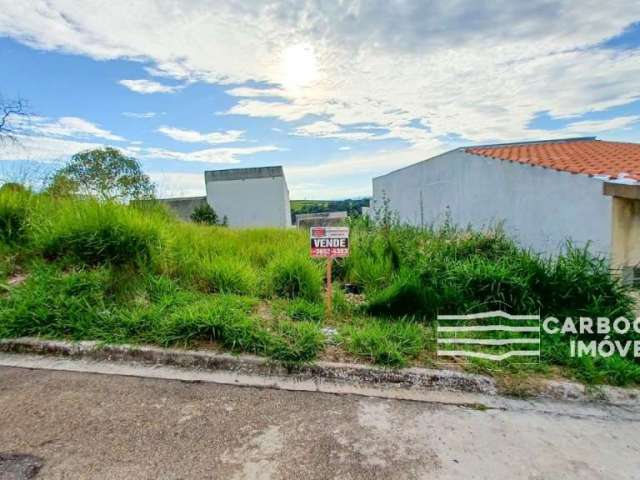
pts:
[140, 114]
[387, 63]
[44, 149]
[208, 155]
[596, 126]
[256, 92]
[193, 136]
[63, 127]
[148, 86]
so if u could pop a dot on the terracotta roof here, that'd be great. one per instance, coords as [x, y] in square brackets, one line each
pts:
[588, 156]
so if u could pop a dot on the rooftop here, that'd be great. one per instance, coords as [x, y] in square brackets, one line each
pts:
[243, 173]
[586, 155]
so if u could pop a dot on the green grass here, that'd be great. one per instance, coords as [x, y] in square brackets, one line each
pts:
[301, 310]
[294, 275]
[388, 343]
[135, 274]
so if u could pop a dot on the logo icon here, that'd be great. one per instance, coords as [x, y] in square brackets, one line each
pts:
[495, 336]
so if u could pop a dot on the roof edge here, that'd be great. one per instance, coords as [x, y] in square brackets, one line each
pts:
[534, 142]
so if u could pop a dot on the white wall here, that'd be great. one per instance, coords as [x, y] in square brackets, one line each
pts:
[540, 208]
[251, 202]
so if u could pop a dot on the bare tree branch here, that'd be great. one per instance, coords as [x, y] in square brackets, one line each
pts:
[9, 110]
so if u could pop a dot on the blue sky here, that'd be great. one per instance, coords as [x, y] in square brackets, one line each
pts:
[335, 94]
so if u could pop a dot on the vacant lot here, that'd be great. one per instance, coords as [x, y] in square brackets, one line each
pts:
[79, 269]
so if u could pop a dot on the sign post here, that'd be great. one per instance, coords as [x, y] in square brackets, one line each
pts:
[329, 243]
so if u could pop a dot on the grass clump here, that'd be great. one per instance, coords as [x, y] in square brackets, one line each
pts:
[387, 343]
[300, 309]
[92, 233]
[51, 303]
[293, 276]
[294, 342]
[15, 210]
[227, 275]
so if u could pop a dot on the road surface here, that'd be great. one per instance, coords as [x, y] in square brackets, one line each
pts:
[84, 425]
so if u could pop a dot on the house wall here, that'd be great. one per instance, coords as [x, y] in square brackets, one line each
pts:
[540, 208]
[183, 207]
[250, 202]
[626, 233]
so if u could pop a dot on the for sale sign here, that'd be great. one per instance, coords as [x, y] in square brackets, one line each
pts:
[329, 241]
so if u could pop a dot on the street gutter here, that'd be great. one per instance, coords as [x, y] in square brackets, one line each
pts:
[418, 384]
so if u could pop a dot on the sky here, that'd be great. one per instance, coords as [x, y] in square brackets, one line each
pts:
[336, 92]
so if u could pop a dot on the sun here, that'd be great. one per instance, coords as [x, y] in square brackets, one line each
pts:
[299, 66]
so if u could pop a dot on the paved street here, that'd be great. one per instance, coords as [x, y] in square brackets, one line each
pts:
[111, 427]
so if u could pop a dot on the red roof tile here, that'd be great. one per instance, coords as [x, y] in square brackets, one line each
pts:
[586, 156]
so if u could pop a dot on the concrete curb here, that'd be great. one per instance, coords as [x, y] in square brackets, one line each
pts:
[341, 373]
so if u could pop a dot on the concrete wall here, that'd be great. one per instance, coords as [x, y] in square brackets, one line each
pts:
[252, 197]
[625, 228]
[324, 219]
[183, 207]
[540, 208]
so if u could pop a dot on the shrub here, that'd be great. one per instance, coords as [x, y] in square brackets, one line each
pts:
[292, 276]
[92, 233]
[204, 214]
[387, 343]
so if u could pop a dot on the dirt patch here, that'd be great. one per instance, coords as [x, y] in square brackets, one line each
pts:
[16, 279]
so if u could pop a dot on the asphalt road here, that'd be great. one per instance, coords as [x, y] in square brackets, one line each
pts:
[110, 427]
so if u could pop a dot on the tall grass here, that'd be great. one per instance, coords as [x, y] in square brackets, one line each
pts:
[134, 274]
[93, 233]
[457, 271]
[15, 211]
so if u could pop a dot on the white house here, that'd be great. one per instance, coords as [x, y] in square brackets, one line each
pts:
[543, 193]
[250, 197]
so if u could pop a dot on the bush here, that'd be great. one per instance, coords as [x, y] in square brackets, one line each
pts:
[386, 343]
[204, 214]
[292, 276]
[92, 233]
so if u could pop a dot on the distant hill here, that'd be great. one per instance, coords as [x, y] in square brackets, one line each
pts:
[351, 206]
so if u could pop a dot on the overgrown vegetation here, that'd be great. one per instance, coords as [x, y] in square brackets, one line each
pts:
[83, 269]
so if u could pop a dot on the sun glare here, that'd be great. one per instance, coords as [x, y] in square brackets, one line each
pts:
[299, 66]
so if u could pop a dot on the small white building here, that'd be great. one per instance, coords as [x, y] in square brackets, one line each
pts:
[249, 197]
[543, 193]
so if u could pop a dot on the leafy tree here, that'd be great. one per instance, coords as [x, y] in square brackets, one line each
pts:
[104, 173]
[205, 214]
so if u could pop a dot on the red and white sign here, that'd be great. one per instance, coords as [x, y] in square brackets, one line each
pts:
[329, 241]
